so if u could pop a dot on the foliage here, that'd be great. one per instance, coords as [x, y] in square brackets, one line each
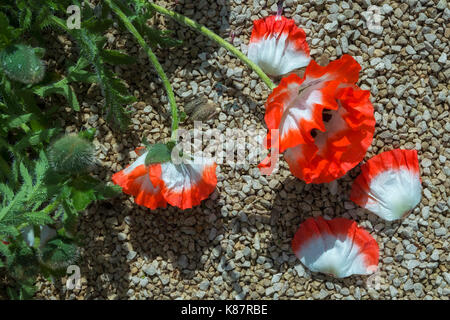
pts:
[71, 154]
[21, 63]
[45, 179]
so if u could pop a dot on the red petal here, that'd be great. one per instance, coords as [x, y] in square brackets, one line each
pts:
[136, 182]
[278, 46]
[342, 145]
[369, 192]
[329, 246]
[295, 106]
[186, 185]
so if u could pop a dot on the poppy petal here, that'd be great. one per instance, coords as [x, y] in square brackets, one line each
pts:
[135, 181]
[185, 185]
[278, 46]
[337, 247]
[296, 105]
[342, 145]
[389, 184]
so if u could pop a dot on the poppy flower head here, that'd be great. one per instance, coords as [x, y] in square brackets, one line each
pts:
[182, 185]
[296, 105]
[342, 145]
[278, 46]
[337, 247]
[186, 184]
[389, 184]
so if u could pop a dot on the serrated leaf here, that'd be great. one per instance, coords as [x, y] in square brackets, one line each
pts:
[59, 253]
[61, 87]
[4, 250]
[107, 191]
[34, 138]
[116, 57]
[158, 153]
[28, 181]
[95, 25]
[17, 121]
[82, 198]
[8, 34]
[38, 218]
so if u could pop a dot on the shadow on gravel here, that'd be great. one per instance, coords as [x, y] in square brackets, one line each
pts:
[120, 237]
[179, 237]
[294, 203]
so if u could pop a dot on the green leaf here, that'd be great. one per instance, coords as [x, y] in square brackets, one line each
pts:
[59, 253]
[8, 34]
[88, 134]
[38, 218]
[158, 153]
[95, 25]
[61, 87]
[107, 191]
[28, 181]
[82, 198]
[116, 57]
[4, 251]
[17, 121]
[34, 138]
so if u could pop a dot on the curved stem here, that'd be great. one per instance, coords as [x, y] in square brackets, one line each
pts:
[153, 60]
[213, 36]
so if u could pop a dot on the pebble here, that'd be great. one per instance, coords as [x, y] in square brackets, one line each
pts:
[228, 248]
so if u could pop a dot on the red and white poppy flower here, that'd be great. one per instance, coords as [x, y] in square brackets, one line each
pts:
[337, 247]
[182, 185]
[295, 106]
[186, 184]
[278, 46]
[347, 136]
[135, 181]
[325, 122]
[389, 184]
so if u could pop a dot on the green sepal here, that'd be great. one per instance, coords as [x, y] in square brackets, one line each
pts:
[158, 153]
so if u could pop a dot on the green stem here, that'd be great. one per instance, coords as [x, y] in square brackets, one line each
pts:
[213, 36]
[52, 206]
[153, 60]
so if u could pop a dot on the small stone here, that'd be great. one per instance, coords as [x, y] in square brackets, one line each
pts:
[442, 4]
[410, 50]
[164, 279]
[150, 271]
[412, 264]
[276, 277]
[387, 9]
[443, 58]
[393, 291]
[398, 13]
[426, 163]
[300, 270]
[204, 285]
[331, 27]
[418, 289]
[183, 261]
[131, 255]
[440, 231]
[430, 37]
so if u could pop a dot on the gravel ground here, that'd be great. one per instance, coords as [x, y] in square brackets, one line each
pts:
[236, 245]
